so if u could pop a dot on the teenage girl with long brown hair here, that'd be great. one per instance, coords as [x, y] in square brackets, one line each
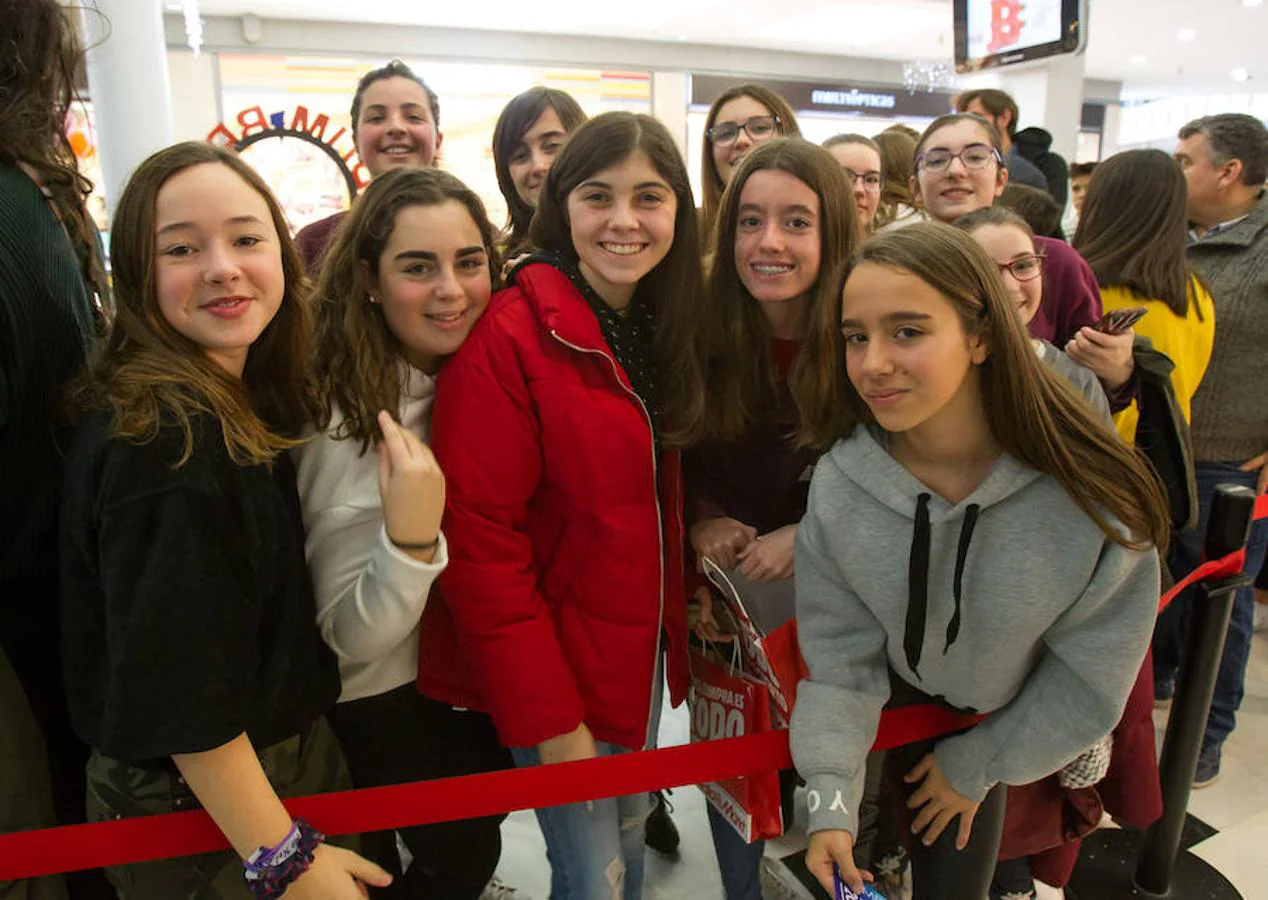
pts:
[1031, 583]
[785, 227]
[199, 675]
[405, 280]
[562, 604]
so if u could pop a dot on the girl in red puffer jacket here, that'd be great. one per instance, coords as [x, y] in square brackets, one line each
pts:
[563, 515]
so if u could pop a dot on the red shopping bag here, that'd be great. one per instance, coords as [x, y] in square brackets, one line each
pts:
[761, 615]
[726, 703]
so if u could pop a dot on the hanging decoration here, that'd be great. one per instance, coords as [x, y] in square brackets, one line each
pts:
[193, 25]
[928, 75]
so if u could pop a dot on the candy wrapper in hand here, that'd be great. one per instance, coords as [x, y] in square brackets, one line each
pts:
[843, 891]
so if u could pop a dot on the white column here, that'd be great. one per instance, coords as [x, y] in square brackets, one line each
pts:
[669, 104]
[194, 82]
[128, 86]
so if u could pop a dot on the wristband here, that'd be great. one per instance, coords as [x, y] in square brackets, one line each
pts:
[269, 871]
[430, 545]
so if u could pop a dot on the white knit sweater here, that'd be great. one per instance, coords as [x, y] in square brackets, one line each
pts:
[370, 596]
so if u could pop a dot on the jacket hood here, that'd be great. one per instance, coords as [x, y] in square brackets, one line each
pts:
[863, 459]
[1033, 139]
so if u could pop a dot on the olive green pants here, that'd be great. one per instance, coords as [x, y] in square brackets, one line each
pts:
[308, 764]
[26, 797]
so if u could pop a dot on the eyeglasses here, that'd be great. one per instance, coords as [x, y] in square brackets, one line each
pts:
[759, 128]
[974, 156]
[1024, 268]
[871, 180]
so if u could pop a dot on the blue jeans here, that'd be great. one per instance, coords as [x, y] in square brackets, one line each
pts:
[739, 862]
[595, 848]
[1172, 630]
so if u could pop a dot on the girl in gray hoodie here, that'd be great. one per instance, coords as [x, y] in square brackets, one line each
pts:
[974, 538]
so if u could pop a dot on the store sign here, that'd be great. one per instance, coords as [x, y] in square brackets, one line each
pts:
[874, 101]
[252, 126]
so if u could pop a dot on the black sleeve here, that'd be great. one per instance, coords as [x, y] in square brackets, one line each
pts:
[182, 619]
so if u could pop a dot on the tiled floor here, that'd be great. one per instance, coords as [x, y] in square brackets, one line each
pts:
[1237, 805]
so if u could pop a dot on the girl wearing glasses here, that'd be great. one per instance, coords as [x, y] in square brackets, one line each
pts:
[959, 169]
[742, 117]
[860, 159]
[956, 441]
[1010, 242]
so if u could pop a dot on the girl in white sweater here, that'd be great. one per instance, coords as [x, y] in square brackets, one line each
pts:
[407, 275]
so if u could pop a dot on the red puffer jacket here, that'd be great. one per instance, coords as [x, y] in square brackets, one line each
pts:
[564, 527]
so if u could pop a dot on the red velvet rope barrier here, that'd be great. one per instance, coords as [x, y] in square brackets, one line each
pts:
[30, 854]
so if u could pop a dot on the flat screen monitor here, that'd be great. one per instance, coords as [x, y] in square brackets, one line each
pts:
[991, 33]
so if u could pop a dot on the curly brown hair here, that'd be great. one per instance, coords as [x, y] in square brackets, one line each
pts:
[149, 374]
[39, 55]
[357, 365]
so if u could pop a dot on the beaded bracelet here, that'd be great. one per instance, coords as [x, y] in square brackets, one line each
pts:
[270, 871]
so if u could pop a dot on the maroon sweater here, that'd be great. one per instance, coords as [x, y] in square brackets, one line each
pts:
[1071, 296]
[762, 479]
[314, 238]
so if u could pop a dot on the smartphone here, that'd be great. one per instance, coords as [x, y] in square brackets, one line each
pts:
[1119, 320]
[843, 891]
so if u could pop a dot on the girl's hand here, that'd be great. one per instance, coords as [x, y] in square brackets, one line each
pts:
[834, 847]
[1107, 355]
[941, 802]
[721, 539]
[704, 624]
[337, 874]
[576, 744]
[411, 487]
[770, 557]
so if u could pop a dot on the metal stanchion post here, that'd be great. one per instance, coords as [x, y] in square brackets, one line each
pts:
[1232, 510]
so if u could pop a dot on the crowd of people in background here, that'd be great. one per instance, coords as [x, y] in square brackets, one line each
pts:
[414, 494]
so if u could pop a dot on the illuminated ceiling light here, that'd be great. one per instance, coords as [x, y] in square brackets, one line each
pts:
[1186, 34]
[1240, 75]
[1139, 59]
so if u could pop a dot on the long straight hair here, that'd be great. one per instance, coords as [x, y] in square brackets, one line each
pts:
[518, 116]
[673, 287]
[1035, 415]
[725, 380]
[148, 373]
[1134, 227]
[710, 181]
[357, 357]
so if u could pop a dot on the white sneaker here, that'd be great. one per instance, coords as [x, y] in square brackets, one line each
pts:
[497, 889]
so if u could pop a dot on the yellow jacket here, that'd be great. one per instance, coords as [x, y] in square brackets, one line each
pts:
[1187, 341]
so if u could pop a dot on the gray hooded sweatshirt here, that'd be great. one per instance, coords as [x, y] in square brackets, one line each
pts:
[1012, 602]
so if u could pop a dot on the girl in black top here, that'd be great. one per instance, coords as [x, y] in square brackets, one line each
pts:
[195, 669]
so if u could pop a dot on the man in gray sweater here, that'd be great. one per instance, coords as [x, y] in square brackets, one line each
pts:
[1225, 161]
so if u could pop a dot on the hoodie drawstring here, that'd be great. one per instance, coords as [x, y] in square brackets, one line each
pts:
[961, 556]
[917, 586]
[918, 581]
